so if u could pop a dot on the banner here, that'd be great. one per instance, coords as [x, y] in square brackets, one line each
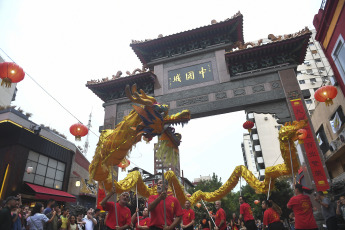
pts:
[311, 149]
[335, 123]
[100, 197]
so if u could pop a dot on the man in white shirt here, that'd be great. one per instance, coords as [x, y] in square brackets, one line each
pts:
[90, 222]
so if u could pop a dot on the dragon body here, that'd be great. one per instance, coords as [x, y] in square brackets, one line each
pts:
[145, 122]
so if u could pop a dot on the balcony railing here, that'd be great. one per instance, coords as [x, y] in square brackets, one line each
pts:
[341, 177]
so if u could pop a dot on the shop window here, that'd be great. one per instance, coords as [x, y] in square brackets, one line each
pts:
[318, 60]
[337, 120]
[301, 82]
[47, 172]
[322, 140]
[338, 55]
[312, 80]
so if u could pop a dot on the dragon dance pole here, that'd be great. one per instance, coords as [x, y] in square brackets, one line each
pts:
[269, 189]
[291, 163]
[105, 192]
[208, 212]
[112, 178]
[136, 193]
[173, 189]
[240, 186]
[165, 209]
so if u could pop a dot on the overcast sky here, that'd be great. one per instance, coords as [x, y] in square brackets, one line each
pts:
[63, 44]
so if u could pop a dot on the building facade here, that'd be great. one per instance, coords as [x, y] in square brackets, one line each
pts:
[248, 154]
[37, 162]
[329, 128]
[330, 26]
[314, 72]
[261, 147]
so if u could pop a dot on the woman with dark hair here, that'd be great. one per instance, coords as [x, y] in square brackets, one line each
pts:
[302, 208]
[271, 215]
[235, 223]
[37, 219]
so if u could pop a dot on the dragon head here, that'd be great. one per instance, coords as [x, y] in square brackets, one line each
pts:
[290, 131]
[155, 118]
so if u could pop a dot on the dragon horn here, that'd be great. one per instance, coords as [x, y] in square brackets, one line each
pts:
[135, 97]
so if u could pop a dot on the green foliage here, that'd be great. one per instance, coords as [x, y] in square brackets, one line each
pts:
[280, 195]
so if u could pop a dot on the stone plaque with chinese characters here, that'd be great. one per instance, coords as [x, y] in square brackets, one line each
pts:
[190, 75]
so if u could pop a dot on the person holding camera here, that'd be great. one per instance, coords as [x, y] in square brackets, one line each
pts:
[341, 207]
[328, 210]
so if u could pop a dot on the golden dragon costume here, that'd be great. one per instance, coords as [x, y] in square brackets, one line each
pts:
[114, 145]
[146, 121]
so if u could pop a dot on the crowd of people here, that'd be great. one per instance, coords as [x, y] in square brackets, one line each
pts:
[164, 212]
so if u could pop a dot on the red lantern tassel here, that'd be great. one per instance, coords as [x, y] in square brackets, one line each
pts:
[7, 82]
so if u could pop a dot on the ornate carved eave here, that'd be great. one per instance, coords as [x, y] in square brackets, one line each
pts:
[226, 32]
[115, 88]
[291, 50]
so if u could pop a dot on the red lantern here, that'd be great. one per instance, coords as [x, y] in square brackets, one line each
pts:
[10, 73]
[326, 94]
[78, 130]
[256, 201]
[248, 125]
[198, 205]
[301, 135]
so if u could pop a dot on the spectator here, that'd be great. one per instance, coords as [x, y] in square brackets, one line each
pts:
[6, 222]
[80, 222]
[302, 208]
[272, 215]
[48, 209]
[54, 224]
[98, 218]
[90, 222]
[37, 219]
[341, 207]
[292, 221]
[64, 218]
[235, 222]
[72, 223]
[16, 215]
[328, 210]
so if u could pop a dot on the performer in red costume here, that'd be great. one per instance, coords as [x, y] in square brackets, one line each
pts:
[188, 217]
[144, 220]
[173, 209]
[220, 220]
[123, 213]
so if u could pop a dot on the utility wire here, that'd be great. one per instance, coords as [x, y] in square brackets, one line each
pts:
[48, 93]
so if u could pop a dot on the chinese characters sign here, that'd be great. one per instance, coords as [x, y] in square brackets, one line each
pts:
[190, 75]
[312, 152]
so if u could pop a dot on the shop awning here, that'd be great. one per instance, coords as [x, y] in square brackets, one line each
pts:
[43, 193]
